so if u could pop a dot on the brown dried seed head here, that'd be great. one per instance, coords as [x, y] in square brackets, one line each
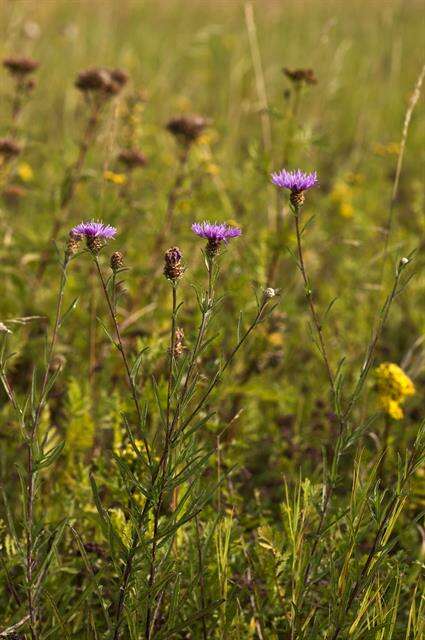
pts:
[132, 158]
[117, 261]
[93, 80]
[187, 128]
[9, 148]
[300, 75]
[173, 268]
[20, 66]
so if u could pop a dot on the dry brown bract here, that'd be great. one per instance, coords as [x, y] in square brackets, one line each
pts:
[101, 80]
[9, 148]
[187, 128]
[300, 75]
[18, 66]
[132, 158]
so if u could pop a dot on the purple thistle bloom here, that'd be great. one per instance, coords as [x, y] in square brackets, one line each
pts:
[94, 229]
[296, 181]
[96, 234]
[215, 232]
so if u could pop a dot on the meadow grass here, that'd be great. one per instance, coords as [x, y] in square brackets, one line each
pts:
[219, 436]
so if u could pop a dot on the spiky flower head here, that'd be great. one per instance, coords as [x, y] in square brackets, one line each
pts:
[215, 233]
[173, 268]
[297, 182]
[96, 234]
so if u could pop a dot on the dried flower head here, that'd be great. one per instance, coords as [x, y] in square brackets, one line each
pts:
[119, 76]
[20, 66]
[297, 182]
[215, 233]
[173, 268]
[96, 234]
[300, 75]
[9, 148]
[132, 158]
[187, 129]
[101, 81]
[117, 261]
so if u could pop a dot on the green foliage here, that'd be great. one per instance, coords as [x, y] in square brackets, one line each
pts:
[194, 459]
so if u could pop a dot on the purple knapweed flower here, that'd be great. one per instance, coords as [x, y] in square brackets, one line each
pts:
[215, 233]
[95, 232]
[297, 182]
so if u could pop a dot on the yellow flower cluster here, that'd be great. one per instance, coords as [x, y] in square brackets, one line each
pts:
[128, 453]
[25, 172]
[393, 387]
[115, 178]
[390, 149]
[342, 196]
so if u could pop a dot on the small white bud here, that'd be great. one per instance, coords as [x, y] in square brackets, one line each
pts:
[404, 261]
[270, 293]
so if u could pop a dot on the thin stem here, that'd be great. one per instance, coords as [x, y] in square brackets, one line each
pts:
[201, 577]
[217, 378]
[121, 349]
[312, 306]
[391, 509]
[30, 558]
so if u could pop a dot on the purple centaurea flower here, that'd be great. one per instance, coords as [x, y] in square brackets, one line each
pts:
[297, 182]
[96, 234]
[215, 233]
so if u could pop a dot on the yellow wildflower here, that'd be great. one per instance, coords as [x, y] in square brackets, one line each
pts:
[212, 169]
[25, 172]
[115, 178]
[128, 452]
[342, 195]
[390, 149]
[393, 387]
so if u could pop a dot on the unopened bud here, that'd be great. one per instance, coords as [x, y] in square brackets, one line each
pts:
[73, 243]
[173, 268]
[117, 261]
[178, 343]
[269, 293]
